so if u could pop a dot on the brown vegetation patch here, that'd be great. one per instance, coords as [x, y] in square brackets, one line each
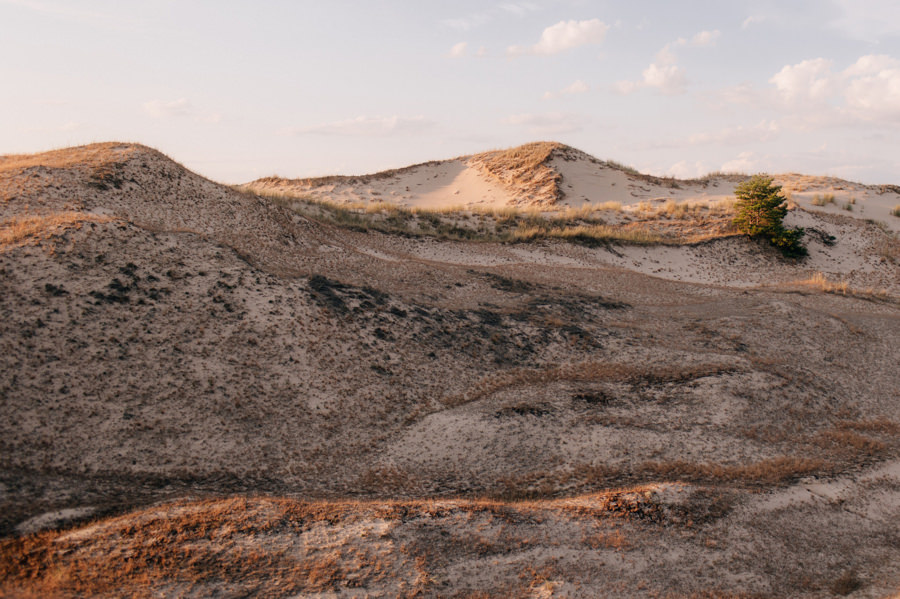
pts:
[584, 373]
[770, 472]
[842, 440]
[75, 157]
[23, 228]
[524, 171]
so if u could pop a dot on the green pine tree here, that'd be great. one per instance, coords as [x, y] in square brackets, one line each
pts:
[760, 213]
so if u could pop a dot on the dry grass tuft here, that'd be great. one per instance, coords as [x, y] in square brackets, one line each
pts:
[772, 471]
[838, 439]
[523, 170]
[586, 372]
[821, 282]
[23, 228]
[79, 156]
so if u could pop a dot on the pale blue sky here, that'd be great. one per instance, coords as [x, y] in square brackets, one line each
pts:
[237, 90]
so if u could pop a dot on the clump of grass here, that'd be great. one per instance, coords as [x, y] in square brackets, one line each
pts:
[771, 471]
[628, 170]
[822, 283]
[848, 440]
[895, 211]
[824, 200]
[590, 235]
[524, 170]
[584, 225]
[21, 228]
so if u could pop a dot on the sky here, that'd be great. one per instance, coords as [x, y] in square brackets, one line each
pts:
[237, 90]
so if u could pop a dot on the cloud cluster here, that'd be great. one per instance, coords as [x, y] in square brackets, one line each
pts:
[478, 19]
[549, 123]
[765, 130]
[664, 74]
[160, 109]
[365, 126]
[462, 49]
[563, 36]
[579, 87]
[180, 108]
[868, 90]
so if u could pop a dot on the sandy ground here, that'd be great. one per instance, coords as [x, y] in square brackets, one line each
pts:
[166, 339]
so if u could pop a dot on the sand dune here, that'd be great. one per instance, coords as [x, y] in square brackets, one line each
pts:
[206, 391]
[553, 176]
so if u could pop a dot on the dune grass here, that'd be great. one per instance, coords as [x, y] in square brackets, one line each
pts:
[589, 225]
[821, 282]
[21, 228]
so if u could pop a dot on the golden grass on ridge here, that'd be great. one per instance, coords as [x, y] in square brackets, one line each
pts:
[21, 228]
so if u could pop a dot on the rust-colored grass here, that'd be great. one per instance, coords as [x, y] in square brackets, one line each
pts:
[70, 157]
[20, 229]
[821, 282]
[771, 471]
[586, 372]
[523, 170]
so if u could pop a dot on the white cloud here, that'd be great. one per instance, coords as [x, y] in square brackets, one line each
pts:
[458, 50]
[364, 126]
[866, 91]
[687, 170]
[180, 108]
[64, 128]
[550, 123]
[626, 87]
[579, 87]
[520, 9]
[565, 35]
[873, 88]
[867, 20]
[746, 162]
[762, 131]
[468, 22]
[810, 80]
[752, 20]
[664, 74]
[700, 40]
[160, 109]
[62, 10]
[668, 79]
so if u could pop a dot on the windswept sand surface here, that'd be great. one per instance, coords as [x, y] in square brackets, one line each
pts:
[211, 394]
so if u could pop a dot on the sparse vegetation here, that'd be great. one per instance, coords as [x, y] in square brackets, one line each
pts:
[524, 171]
[821, 282]
[895, 211]
[21, 228]
[396, 388]
[824, 200]
[585, 225]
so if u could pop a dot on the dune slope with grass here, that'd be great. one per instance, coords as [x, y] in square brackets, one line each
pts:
[208, 390]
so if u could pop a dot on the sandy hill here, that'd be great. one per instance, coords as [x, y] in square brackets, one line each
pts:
[207, 392]
[552, 176]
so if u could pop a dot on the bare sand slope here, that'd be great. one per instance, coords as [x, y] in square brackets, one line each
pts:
[154, 349]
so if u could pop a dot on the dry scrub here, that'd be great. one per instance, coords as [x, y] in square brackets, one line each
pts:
[23, 228]
[524, 171]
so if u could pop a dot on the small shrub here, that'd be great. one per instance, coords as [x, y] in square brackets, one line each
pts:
[760, 212]
[896, 211]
